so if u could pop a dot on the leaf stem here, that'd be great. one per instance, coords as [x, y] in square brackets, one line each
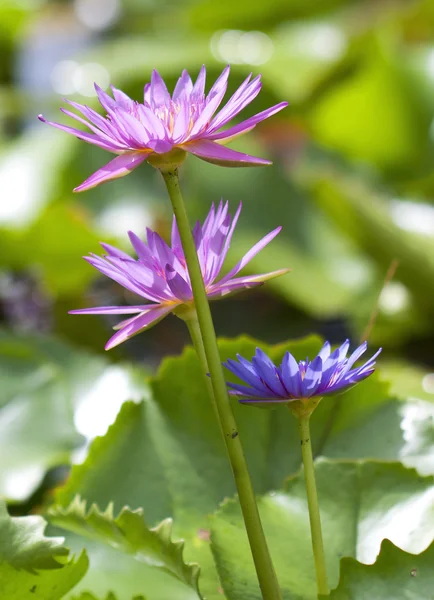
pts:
[261, 556]
[312, 501]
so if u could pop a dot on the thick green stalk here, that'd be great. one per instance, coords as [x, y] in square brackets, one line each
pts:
[261, 556]
[196, 337]
[312, 501]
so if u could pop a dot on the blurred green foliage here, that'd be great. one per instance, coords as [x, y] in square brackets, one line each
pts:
[352, 185]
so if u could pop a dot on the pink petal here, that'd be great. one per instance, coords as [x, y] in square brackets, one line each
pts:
[137, 135]
[101, 134]
[199, 86]
[219, 155]
[242, 283]
[122, 99]
[183, 87]
[236, 104]
[220, 84]
[93, 116]
[118, 167]
[248, 124]
[109, 310]
[250, 254]
[113, 251]
[178, 286]
[140, 323]
[205, 116]
[104, 99]
[82, 135]
[159, 93]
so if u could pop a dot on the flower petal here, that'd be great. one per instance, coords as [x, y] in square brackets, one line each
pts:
[140, 323]
[183, 87]
[159, 93]
[109, 310]
[177, 284]
[239, 284]
[91, 138]
[248, 124]
[118, 167]
[251, 254]
[219, 155]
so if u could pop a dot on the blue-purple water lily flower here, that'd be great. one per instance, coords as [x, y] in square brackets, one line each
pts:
[160, 275]
[328, 373]
[185, 120]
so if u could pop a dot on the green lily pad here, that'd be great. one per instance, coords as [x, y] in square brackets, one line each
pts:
[361, 504]
[396, 574]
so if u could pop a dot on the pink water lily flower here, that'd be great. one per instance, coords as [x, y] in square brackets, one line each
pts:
[185, 121]
[159, 274]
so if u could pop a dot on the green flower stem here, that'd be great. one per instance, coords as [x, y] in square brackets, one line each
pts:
[312, 501]
[261, 556]
[196, 337]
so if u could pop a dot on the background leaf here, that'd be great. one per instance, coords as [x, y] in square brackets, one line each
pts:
[33, 566]
[373, 501]
[395, 574]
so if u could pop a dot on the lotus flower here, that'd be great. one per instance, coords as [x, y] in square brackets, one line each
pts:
[184, 121]
[328, 373]
[159, 274]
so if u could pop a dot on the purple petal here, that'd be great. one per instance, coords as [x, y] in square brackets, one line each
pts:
[219, 155]
[199, 86]
[136, 133]
[206, 115]
[312, 379]
[152, 123]
[183, 87]
[324, 353]
[291, 375]
[116, 146]
[355, 356]
[242, 283]
[250, 392]
[122, 99]
[175, 239]
[113, 251]
[236, 104]
[109, 310]
[177, 284]
[160, 146]
[91, 138]
[251, 254]
[248, 124]
[104, 99]
[181, 123]
[141, 249]
[140, 323]
[246, 372]
[118, 167]
[159, 93]
[220, 83]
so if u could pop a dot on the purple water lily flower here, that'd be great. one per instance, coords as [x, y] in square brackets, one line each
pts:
[185, 120]
[159, 274]
[327, 373]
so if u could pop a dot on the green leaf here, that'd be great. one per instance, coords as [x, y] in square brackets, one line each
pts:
[129, 533]
[87, 596]
[166, 454]
[395, 574]
[370, 502]
[33, 566]
[48, 390]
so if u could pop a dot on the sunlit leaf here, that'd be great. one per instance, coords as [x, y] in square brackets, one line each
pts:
[372, 501]
[395, 574]
[32, 565]
[129, 533]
